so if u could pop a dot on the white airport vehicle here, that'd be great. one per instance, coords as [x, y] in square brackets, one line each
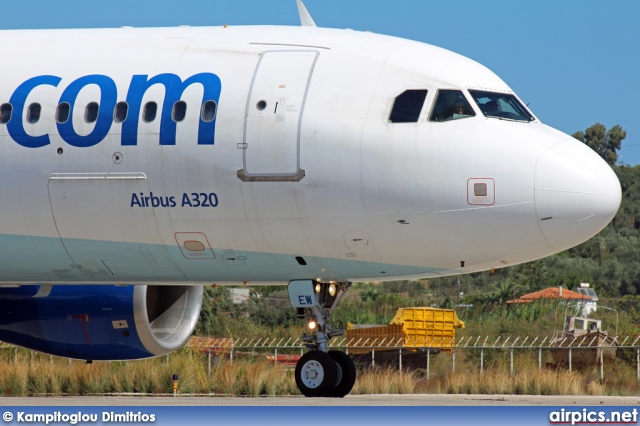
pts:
[139, 165]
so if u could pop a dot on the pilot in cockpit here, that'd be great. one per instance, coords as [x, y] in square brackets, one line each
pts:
[459, 110]
[489, 107]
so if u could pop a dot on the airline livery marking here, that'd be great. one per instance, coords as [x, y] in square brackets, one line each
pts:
[174, 88]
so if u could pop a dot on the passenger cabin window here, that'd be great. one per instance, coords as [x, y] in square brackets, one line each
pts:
[5, 113]
[179, 111]
[120, 112]
[501, 105]
[33, 113]
[451, 105]
[209, 110]
[149, 113]
[62, 112]
[91, 112]
[407, 106]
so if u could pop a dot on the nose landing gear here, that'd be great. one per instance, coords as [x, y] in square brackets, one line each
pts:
[320, 372]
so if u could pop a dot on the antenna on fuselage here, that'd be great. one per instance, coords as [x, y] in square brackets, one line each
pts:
[305, 18]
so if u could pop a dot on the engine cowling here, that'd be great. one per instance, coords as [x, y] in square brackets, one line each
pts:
[99, 322]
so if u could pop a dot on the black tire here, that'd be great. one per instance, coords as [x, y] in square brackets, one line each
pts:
[346, 373]
[316, 374]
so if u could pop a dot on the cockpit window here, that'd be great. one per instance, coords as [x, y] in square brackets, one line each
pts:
[451, 105]
[500, 105]
[407, 106]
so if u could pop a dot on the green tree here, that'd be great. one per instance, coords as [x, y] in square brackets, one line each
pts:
[217, 304]
[605, 143]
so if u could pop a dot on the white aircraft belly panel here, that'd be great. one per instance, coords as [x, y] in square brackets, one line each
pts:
[101, 230]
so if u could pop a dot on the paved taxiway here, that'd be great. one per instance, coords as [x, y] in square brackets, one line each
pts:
[351, 400]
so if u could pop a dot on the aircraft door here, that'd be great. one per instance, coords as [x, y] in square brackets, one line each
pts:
[271, 145]
[108, 232]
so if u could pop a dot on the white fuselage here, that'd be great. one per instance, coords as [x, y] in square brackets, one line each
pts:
[300, 175]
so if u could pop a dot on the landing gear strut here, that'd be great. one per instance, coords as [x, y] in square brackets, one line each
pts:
[320, 372]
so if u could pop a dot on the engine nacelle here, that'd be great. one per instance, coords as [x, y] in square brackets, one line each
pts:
[99, 322]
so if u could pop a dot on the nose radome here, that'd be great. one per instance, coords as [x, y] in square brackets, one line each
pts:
[576, 194]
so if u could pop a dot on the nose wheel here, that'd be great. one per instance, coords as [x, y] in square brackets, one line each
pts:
[346, 374]
[322, 374]
[316, 374]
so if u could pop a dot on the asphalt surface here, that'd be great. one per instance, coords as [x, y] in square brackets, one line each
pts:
[351, 400]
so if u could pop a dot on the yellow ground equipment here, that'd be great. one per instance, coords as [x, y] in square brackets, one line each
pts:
[410, 328]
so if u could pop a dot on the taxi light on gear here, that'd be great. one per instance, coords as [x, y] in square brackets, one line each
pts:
[312, 324]
[318, 288]
[332, 289]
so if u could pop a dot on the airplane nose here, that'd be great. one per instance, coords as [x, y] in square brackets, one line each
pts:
[576, 194]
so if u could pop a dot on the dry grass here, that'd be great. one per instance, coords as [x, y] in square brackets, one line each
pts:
[525, 382]
[23, 374]
[384, 381]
